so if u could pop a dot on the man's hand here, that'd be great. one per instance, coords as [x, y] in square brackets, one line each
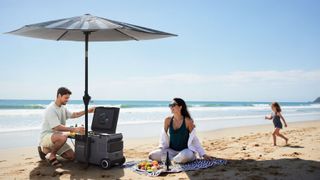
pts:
[79, 130]
[91, 110]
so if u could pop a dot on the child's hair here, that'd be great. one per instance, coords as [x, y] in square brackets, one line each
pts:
[277, 106]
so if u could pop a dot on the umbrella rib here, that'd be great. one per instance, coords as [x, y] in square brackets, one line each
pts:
[62, 35]
[127, 34]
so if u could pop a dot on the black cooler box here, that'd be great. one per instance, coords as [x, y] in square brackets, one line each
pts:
[105, 145]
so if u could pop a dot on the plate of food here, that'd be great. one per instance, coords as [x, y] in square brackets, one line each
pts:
[149, 166]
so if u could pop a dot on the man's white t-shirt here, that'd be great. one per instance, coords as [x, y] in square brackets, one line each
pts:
[54, 116]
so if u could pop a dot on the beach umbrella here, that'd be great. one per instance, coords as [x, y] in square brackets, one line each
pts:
[88, 28]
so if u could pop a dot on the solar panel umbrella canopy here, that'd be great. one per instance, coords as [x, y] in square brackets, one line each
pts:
[88, 28]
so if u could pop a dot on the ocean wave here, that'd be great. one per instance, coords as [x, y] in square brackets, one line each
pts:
[19, 129]
[28, 106]
[78, 107]
[208, 105]
[261, 105]
[21, 112]
[76, 104]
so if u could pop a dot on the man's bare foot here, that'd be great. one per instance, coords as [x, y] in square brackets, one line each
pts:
[53, 160]
[274, 144]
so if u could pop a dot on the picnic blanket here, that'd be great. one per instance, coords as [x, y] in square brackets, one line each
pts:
[191, 166]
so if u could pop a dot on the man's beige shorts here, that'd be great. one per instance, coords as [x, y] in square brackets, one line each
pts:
[46, 142]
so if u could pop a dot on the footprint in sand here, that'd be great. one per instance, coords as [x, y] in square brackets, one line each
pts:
[105, 176]
[267, 150]
[274, 167]
[2, 161]
[294, 154]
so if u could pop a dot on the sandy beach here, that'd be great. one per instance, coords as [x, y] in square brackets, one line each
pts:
[249, 151]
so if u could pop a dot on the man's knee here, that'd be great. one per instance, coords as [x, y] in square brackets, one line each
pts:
[70, 155]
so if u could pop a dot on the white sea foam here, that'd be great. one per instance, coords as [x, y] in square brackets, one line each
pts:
[78, 107]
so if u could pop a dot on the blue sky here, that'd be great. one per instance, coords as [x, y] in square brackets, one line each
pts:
[226, 50]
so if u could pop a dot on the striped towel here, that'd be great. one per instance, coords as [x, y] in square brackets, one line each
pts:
[190, 166]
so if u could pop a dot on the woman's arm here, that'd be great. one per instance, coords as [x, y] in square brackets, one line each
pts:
[167, 124]
[164, 140]
[284, 121]
[190, 126]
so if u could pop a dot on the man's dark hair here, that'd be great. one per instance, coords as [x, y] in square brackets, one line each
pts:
[63, 91]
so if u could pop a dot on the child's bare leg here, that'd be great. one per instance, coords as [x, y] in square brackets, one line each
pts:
[282, 136]
[274, 137]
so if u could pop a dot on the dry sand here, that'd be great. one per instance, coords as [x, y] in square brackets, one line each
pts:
[249, 151]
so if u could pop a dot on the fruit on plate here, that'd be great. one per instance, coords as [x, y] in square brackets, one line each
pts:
[149, 166]
[155, 163]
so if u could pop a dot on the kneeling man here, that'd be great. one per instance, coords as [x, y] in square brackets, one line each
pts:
[54, 133]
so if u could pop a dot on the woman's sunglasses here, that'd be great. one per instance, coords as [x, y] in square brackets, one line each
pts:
[172, 105]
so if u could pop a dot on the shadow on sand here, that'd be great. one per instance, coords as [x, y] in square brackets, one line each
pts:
[262, 169]
[291, 146]
[294, 168]
[74, 170]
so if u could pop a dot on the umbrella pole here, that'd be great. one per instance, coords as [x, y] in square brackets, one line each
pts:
[86, 98]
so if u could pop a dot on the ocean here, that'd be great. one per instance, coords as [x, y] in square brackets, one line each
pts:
[20, 120]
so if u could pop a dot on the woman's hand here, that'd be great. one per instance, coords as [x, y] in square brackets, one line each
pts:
[285, 125]
[206, 157]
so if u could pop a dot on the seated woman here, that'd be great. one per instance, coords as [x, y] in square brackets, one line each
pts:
[182, 142]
